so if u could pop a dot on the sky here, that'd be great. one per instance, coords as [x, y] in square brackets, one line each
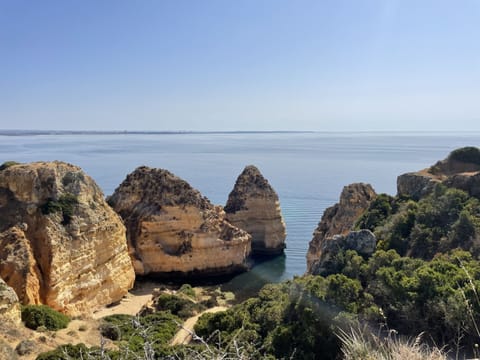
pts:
[203, 65]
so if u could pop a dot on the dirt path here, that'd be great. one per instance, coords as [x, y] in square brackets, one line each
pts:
[183, 336]
[132, 303]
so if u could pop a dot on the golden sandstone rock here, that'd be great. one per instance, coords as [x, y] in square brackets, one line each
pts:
[60, 242]
[173, 231]
[339, 219]
[9, 304]
[254, 206]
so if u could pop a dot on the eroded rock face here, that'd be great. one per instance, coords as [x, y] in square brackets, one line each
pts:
[363, 242]
[254, 206]
[9, 304]
[61, 244]
[174, 231]
[339, 219]
[19, 266]
[461, 170]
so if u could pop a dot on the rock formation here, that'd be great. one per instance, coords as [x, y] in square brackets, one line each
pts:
[253, 206]
[338, 219]
[461, 170]
[60, 242]
[9, 304]
[363, 242]
[173, 231]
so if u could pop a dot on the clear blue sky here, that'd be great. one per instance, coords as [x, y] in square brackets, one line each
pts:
[240, 65]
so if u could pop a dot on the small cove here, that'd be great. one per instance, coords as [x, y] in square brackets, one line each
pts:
[308, 170]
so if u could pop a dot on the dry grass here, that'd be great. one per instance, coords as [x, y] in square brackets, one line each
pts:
[361, 344]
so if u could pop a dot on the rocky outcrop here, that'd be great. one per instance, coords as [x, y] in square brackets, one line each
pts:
[461, 170]
[18, 264]
[254, 206]
[60, 242]
[173, 231]
[416, 185]
[9, 304]
[363, 242]
[339, 220]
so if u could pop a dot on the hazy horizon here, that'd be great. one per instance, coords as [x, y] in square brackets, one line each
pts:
[273, 65]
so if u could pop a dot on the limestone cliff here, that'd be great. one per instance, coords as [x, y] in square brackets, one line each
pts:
[338, 219]
[461, 170]
[9, 304]
[254, 206]
[174, 231]
[60, 242]
[363, 242]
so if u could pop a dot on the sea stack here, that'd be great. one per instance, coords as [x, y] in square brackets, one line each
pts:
[60, 243]
[254, 206]
[340, 219]
[173, 231]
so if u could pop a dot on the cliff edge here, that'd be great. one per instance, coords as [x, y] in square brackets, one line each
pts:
[60, 242]
[460, 170]
[339, 219]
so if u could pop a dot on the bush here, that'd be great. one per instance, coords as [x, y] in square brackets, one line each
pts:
[181, 307]
[65, 204]
[110, 331]
[210, 302]
[377, 212]
[187, 290]
[36, 316]
[132, 332]
[468, 154]
[70, 352]
[7, 164]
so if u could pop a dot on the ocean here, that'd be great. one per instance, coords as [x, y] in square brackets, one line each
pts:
[308, 170]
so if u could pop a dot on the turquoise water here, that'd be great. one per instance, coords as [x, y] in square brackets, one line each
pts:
[308, 170]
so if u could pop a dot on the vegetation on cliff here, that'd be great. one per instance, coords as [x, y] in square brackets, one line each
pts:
[36, 316]
[65, 205]
[468, 154]
[424, 277]
[445, 219]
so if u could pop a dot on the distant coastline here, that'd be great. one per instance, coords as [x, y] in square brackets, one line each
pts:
[13, 132]
[127, 132]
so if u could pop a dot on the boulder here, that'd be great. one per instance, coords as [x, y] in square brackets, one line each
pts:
[9, 305]
[173, 231]
[416, 185]
[339, 219]
[6, 351]
[61, 244]
[254, 206]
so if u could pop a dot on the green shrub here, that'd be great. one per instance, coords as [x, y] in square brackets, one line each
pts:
[35, 316]
[377, 212]
[81, 351]
[132, 332]
[178, 306]
[7, 164]
[468, 154]
[110, 331]
[65, 204]
[210, 302]
[187, 290]
[67, 352]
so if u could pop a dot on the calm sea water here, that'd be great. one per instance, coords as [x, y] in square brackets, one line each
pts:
[308, 170]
